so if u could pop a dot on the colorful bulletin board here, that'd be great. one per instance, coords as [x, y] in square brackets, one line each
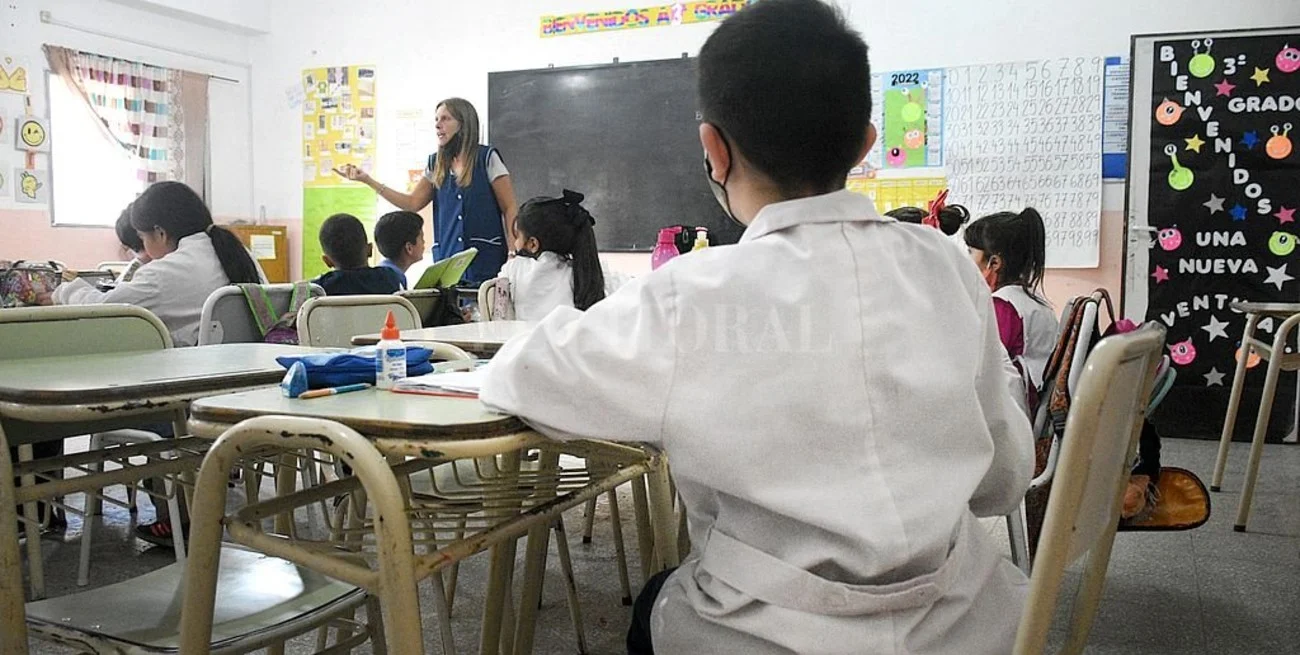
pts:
[666, 15]
[1219, 186]
[891, 193]
[912, 134]
[338, 128]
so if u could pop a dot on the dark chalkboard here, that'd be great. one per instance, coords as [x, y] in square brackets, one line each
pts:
[626, 135]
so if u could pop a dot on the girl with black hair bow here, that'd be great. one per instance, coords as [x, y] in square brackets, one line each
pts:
[556, 261]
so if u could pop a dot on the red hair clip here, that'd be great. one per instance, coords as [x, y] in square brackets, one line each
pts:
[936, 207]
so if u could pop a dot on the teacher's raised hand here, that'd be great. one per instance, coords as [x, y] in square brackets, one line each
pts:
[354, 173]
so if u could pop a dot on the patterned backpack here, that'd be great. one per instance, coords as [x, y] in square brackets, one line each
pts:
[281, 328]
[21, 282]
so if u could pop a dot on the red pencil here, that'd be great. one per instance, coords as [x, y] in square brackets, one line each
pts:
[440, 394]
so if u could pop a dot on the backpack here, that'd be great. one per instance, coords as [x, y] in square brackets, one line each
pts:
[445, 311]
[284, 329]
[21, 282]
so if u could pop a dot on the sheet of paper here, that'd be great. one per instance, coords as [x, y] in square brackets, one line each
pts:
[262, 245]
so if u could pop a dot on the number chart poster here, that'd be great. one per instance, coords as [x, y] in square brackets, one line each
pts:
[1224, 191]
[913, 118]
[338, 128]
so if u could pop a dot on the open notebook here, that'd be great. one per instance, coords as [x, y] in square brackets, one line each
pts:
[456, 383]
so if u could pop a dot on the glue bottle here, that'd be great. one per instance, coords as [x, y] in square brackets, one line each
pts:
[701, 239]
[390, 358]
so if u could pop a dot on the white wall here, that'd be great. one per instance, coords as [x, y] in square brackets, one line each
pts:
[426, 50]
[122, 31]
[246, 16]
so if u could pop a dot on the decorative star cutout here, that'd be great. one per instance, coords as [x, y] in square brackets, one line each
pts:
[1214, 378]
[1224, 89]
[1277, 276]
[1260, 76]
[1285, 215]
[1249, 140]
[1195, 143]
[1214, 204]
[1238, 212]
[1215, 328]
[1161, 274]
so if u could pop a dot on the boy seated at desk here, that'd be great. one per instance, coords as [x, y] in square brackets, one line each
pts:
[347, 250]
[400, 238]
[831, 392]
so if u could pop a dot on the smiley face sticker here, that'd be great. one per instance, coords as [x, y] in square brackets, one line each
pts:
[32, 134]
[1169, 239]
[1288, 59]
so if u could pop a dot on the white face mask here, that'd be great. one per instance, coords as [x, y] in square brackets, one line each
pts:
[720, 190]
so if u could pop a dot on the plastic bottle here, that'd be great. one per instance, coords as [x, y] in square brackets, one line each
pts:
[390, 355]
[701, 239]
[666, 248]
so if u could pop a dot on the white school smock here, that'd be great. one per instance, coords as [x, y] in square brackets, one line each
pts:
[174, 287]
[1039, 326]
[837, 409]
[538, 286]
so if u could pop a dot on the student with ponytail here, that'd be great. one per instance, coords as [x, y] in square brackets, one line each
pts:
[191, 257]
[1010, 250]
[556, 261]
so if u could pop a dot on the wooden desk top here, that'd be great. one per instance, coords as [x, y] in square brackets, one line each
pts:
[372, 412]
[114, 377]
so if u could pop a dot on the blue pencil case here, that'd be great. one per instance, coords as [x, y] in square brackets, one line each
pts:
[351, 367]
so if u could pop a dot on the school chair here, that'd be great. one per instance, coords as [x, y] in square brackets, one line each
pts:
[261, 602]
[494, 301]
[227, 317]
[78, 330]
[1083, 511]
[1287, 316]
[332, 321]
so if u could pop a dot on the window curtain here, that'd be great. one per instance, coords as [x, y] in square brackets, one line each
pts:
[157, 115]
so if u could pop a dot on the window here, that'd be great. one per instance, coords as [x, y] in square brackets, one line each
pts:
[92, 178]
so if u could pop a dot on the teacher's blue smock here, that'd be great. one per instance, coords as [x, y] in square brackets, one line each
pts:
[469, 217]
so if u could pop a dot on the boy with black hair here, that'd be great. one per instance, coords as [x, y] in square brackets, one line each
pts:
[346, 250]
[400, 238]
[831, 391]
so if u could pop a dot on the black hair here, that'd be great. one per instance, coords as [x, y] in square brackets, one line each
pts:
[951, 217]
[126, 234]
[180, 212]
[343, 239]
[563, 226]
[1019, 240]
[788, 84]
[395, 230]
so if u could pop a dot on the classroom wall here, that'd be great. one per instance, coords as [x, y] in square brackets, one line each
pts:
[25, 230]
[426, 51]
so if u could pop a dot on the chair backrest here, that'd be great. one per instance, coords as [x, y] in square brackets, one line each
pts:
[27, 332]
[115, 268]
[332, 321]
[1083, 511]
[494, 303]
[227, 318]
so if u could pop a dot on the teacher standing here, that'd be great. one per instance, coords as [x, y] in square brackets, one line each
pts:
[469, 186]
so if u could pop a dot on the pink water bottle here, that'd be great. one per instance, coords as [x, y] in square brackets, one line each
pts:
[666, 249]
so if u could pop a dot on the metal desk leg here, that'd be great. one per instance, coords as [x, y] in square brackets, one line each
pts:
[644, 534]
[32, 512]
[1261, 421]
[661, 515]
[535, 562]
[503, 561]
[1234, 403]
[13, 613]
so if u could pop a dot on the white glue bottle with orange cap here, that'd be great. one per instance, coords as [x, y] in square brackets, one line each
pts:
[390, 355]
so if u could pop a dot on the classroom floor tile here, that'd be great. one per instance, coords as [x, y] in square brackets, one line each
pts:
[1207, 591]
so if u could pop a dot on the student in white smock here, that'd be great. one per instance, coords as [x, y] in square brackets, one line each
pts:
[556, 262]
[831, 393]
[191, 258]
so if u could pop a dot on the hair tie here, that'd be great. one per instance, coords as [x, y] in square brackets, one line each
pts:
[936, 207]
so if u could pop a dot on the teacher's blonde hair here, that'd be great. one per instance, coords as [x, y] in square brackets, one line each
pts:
[467, 116]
